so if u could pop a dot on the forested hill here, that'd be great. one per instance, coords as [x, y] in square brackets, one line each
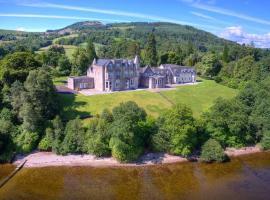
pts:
[168, 35]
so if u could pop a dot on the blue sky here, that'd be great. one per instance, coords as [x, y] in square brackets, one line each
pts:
[239, 20]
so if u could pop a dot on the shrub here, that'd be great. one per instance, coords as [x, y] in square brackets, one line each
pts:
[27, 141]
[212, 151]
[43, 144]
[265, 143]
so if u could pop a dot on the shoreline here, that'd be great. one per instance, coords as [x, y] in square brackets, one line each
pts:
[49, 159]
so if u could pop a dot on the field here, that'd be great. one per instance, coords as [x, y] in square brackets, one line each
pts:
[69, 49]
[198, 97]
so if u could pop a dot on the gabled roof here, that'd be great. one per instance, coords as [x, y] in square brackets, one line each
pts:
[177, 69]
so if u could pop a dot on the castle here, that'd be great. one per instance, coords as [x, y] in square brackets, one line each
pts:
[122, 74]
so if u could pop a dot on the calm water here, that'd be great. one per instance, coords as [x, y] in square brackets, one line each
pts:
[246, 177]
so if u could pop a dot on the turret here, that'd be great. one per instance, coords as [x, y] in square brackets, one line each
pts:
[94, 61]
[137, 61]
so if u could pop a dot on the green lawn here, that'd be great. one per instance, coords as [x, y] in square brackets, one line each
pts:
[199, 97]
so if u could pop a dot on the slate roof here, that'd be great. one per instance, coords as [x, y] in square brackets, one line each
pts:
[105, 62]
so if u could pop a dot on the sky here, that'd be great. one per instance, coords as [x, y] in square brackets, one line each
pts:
[243, 21]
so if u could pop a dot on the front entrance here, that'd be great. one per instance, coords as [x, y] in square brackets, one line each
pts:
[127, 84]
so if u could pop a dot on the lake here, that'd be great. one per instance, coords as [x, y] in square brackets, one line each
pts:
[246, 177]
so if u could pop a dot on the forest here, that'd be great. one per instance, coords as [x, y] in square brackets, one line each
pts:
[30, 116]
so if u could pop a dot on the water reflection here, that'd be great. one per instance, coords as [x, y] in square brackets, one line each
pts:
[246, 177]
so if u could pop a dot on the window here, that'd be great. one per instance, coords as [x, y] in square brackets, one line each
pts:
[117, 83]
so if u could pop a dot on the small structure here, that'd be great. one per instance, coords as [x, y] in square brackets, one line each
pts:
[80, 82]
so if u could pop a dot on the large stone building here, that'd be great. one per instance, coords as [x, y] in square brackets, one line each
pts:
[121, 74]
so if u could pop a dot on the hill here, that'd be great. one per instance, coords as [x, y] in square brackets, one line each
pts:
[168, 35]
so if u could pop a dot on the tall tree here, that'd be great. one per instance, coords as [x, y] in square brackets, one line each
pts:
[225, 54]
[176, 131]
[90, 51]
[151, 51]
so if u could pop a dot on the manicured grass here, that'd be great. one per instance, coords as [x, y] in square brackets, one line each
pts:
[73, 105]
[199, 97]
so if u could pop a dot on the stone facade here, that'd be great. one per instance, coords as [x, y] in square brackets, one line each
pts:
[114, 75]
[122, 74]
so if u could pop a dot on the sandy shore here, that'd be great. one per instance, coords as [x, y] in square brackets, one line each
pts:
[45, 159]
[242, 151]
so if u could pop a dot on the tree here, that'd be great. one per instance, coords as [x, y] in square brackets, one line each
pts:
[176, 131]
[126, 144]
[225, 54]
[212, 151]
[55, 135]
[151, 51]
[98, 137]
[27, 141]
[209, 65]
[7, 131]
[129, 111]
[127, 140]
[16, 66]
[265, 142]
[64, 65]
[80, 62]
[36, 101]
[52, 55]
[90, 50]
[74, 137]
[228, 123]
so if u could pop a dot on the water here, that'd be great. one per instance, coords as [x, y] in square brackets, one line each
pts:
[246, 177]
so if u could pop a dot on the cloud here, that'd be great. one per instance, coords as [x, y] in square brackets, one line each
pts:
[107, 12]
[230, 13]
[236, 33]
[56, 17]
[20, 29]
[202, 15]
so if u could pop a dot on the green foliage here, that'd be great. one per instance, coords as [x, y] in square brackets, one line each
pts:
[225, 54]
[16, 66]
[36, 102]
[27, 141]
[151, 51]
[80, 62]
[98, 137]
[212, 151]
[55, 135]
[127, 141]
[170, 57]
[43, 145]
[176, 131]
[209, 65]
[64, 65]
[52, 55]
[265, 143]
[7, 132]
[227, 122]
[74, 137]
[129, 111]
[91, 52]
